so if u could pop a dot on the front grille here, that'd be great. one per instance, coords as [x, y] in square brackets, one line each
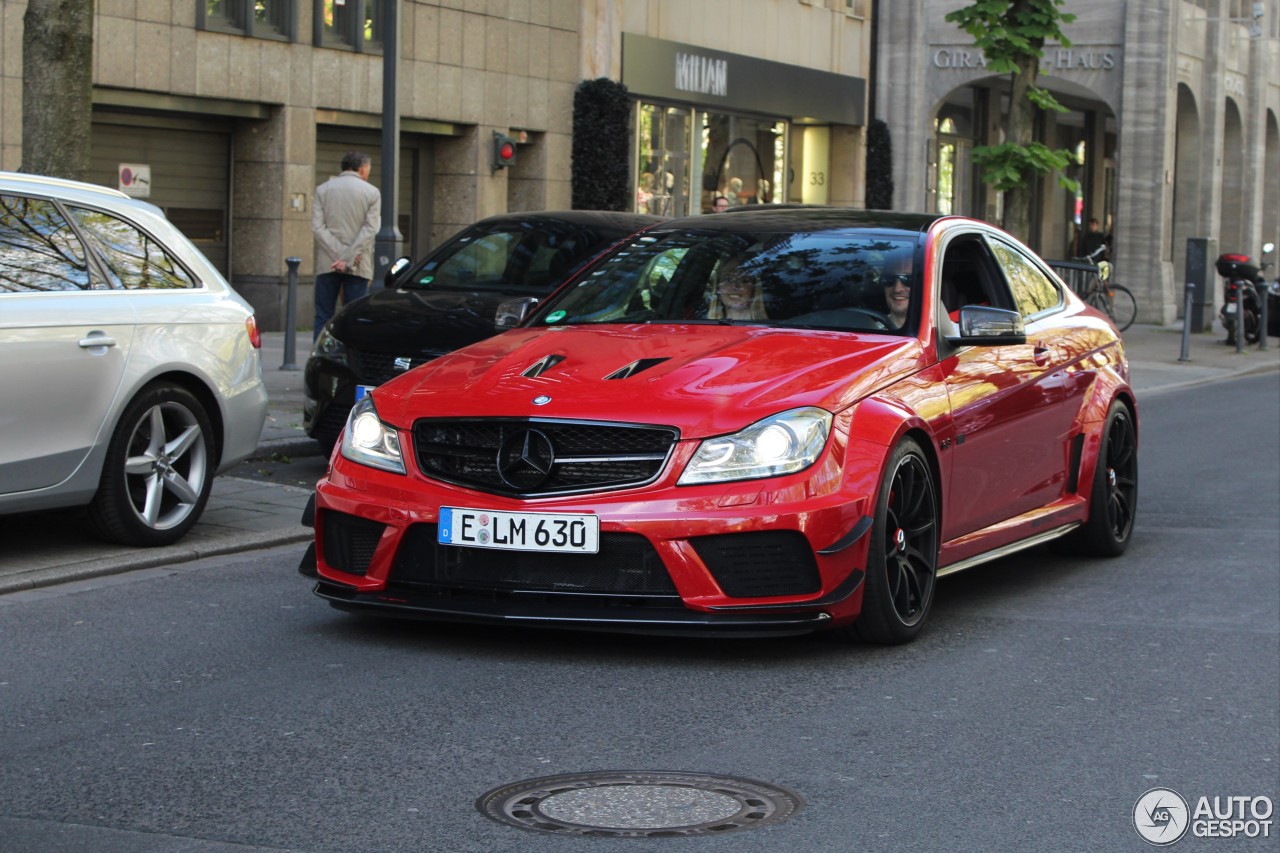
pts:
[625, 565]
[373, 367]
[530, 457]
[349, 541]
[757, 565]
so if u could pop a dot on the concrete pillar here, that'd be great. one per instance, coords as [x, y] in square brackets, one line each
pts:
[1146, 163]
[900, 98]
[271, 208]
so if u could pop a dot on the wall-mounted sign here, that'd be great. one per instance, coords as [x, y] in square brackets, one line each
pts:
[134, 179]
[656, 68]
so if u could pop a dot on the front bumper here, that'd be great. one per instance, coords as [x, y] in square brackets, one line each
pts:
[765, 557]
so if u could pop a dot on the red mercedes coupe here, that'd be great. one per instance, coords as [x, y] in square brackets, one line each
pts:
[772, 421]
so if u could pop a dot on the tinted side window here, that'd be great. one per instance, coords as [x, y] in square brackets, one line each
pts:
[531, 257]
[38, 249]
[134, 260]
[475, 262]
[1032, 290]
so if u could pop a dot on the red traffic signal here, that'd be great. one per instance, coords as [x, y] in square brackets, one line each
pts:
[504, 151]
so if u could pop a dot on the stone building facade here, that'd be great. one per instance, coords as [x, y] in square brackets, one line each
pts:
[1174, 107]
[228, 113]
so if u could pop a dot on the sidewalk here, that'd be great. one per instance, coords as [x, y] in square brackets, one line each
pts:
[245, 515]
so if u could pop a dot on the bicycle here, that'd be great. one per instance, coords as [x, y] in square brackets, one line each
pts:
[1097, 289]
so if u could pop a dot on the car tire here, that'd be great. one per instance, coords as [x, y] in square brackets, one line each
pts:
[1113, 497]
[158, 469]
[902, 563]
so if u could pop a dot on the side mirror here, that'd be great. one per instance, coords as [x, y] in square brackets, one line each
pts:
[393, 271]
[512, 312]
[985, 326]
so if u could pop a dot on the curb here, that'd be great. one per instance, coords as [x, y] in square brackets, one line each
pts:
[151, 558]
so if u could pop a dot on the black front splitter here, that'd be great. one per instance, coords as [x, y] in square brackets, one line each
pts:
[673, 620]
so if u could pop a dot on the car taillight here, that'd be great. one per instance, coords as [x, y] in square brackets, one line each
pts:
[251, 326]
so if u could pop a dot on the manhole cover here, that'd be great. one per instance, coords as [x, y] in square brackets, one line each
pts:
[638, 804]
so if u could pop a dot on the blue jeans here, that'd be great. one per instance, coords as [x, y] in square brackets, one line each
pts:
[328, 286]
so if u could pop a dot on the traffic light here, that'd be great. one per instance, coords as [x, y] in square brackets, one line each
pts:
[504, 151]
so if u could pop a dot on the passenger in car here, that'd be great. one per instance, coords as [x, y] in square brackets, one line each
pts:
[737, 295]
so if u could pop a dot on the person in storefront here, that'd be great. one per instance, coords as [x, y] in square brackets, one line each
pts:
[720, 205]
[733, 191]
[1091, 240]
[644, 195]
[344, 219]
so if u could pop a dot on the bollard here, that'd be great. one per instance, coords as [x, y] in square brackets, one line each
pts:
[291, 316]
[1262, 315]
[1239, 319]
[1186, 321]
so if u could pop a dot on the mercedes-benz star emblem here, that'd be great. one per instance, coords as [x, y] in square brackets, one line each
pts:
[525, 459]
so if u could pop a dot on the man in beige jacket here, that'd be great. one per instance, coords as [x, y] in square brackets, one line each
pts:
[345, 218]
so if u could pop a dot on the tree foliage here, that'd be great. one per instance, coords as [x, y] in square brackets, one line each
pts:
[1011, 35]
[57, 87]
[600, 171]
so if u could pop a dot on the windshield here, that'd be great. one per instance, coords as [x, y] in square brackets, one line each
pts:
[530, 257]
[841, 280]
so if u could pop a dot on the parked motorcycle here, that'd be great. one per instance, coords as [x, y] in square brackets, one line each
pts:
[1243, 290]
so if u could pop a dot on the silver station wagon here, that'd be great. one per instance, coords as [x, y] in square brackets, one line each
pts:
[130, 371]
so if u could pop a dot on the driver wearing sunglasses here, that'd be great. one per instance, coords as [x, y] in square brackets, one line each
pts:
[896, 278]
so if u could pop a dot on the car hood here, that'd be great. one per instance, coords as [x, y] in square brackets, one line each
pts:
[704, 380]
[412, 322]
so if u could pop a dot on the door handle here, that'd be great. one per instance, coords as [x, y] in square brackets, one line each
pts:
[1041, 354]
[97, 341]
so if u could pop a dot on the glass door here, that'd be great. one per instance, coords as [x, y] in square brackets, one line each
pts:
[663, 161]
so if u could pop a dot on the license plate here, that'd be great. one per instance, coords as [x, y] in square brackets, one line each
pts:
[362, 391]
[1231, 308]
[519, 531]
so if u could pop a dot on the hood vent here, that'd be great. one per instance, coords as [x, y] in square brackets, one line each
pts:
[542, 365]
[634, 367]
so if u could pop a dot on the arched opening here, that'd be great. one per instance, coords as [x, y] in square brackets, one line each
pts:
[1231, 234]
[973, 115]
[1186, 183]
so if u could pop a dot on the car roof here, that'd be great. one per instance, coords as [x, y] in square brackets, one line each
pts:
[620, 220]
[800, 218]
[63, 188]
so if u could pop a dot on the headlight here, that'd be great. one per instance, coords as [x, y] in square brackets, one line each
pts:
[368, 441]
[329, 347]
[782, 444]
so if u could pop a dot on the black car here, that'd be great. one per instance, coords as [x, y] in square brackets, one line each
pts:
[448, 300]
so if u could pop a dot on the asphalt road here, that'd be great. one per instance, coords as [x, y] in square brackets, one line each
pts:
[218, 706]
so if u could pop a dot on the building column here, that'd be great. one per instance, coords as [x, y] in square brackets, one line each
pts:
[273, 185]
[900, 98]
[1144, 207]
[1255, 129]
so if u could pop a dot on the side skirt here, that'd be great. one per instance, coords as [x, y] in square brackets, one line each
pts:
[1006, 550]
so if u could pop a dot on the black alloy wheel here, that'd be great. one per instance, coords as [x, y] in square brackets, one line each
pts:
[1113, 501]
[903, 561]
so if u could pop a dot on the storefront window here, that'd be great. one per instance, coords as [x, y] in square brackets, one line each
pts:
[662, 167]
[743, 159]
